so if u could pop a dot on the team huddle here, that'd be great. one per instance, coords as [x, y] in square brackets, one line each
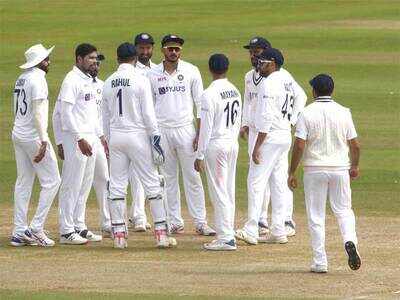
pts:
[146, 123]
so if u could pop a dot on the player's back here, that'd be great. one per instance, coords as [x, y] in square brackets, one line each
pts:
[227, 106]
[123, 94]
[30, 85]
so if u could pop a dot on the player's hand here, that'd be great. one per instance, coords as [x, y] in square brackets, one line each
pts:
[256, 156]
[199, 165]
[85, 147]
[105, 146]
[292, 181]
[244, 132]
[354, 172]
[195, 142]
[60, 151]
[157, 151]
[41, 153]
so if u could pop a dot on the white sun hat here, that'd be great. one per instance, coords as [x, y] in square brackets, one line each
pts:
[34, 55]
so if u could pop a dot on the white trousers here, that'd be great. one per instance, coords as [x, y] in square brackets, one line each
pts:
[271, 169]
[220, 161]
[126, 149]
[177, 144]
[137, 210]
[318, 186]
[76, 181]
[100, 184]
[49, 178]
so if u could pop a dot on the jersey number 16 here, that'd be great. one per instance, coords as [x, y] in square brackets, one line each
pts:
[231, 112]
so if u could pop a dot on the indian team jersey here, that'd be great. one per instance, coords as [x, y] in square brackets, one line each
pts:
[127, 102]
[77, 89]
[174, 94]
[98, 95]
[143, 69]
[30, 86]
[274, 107]
[221, 108]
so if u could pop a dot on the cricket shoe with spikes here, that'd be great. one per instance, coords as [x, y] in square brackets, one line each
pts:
[23, 239]
[42, 239]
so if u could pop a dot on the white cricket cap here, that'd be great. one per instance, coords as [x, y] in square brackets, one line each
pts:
[34, 55]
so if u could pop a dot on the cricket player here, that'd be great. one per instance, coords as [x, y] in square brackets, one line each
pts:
[34, 153]
[221, 108]
[144, 44]
[80, 133]
[252, 81]
[272, 122]
[131, 126]
[177, 87]
[326, 135]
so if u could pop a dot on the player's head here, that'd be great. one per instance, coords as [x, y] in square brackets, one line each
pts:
[126, 53]
[171, 47]
[218, 65]
[37, 56]
[322, 85]
[86, 57]
[95, 72]
[255, 46]
[144, 46]
[269, 61]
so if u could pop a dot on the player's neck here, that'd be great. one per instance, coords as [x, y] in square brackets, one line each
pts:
[218, 76]
[145, 63]
[170, 67]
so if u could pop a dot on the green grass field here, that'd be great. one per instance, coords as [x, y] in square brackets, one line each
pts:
[357, 42]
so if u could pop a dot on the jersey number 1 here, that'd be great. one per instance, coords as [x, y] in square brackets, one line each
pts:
[119, 95]
[231, 112]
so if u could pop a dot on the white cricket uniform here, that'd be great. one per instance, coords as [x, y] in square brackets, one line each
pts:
[137, 212]
[221, 108]
[31, 86]
[252, 80]
[175, 95]
[129, 119]
[79, 119]
[272, 117]
[326, 126]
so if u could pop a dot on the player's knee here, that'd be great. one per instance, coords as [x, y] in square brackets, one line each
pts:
[155, 197]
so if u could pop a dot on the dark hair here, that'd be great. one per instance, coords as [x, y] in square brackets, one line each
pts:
[218, 63]
[84, 49]
[322, 84]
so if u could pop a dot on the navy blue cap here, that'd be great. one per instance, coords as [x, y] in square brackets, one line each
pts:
[218, 63]
[172, 38]
[126, 50]
[272, 54]
[143, 38]
[258, 42]
[323, 84]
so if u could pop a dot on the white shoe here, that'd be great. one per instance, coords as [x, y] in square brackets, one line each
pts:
[139, 226]
[290, 229]
[263, 228]
[23, 239]
[163, 240]
[244, 236]
[218, 245]
[120, 240]
[319, 268]
[176, 229]
[205, 230]
[73, 239]
[90, 236]
[272, 239]
[42, 239]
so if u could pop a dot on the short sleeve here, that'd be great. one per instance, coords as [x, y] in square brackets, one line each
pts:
[39, 89]
[301, 128]
[350, 130]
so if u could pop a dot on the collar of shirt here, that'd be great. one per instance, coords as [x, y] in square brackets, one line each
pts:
[40, 72]
[78, 72]
[142, 66]
[218, 81]
[324, 99]
[176, 70]
[126, 67]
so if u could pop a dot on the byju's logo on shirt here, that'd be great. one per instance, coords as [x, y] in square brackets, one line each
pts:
[171, 89]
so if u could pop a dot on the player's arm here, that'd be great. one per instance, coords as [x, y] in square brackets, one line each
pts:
[244, 130]
[197, 91]
[299, 102]
[106, 115]
[298, 150]
[206, 125]
[354, 146]
[57, 130]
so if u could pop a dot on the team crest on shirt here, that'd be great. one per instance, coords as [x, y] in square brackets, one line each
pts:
[180, 77]
[98, 91]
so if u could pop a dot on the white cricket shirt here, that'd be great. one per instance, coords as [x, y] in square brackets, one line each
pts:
[221, 108]
[326, 126]
[77, 89]
[273, 111]
[127, 102]
[174, 94]
[143, 69]
[31, 85]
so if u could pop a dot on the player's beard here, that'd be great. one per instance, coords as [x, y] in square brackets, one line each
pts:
[144, 59]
